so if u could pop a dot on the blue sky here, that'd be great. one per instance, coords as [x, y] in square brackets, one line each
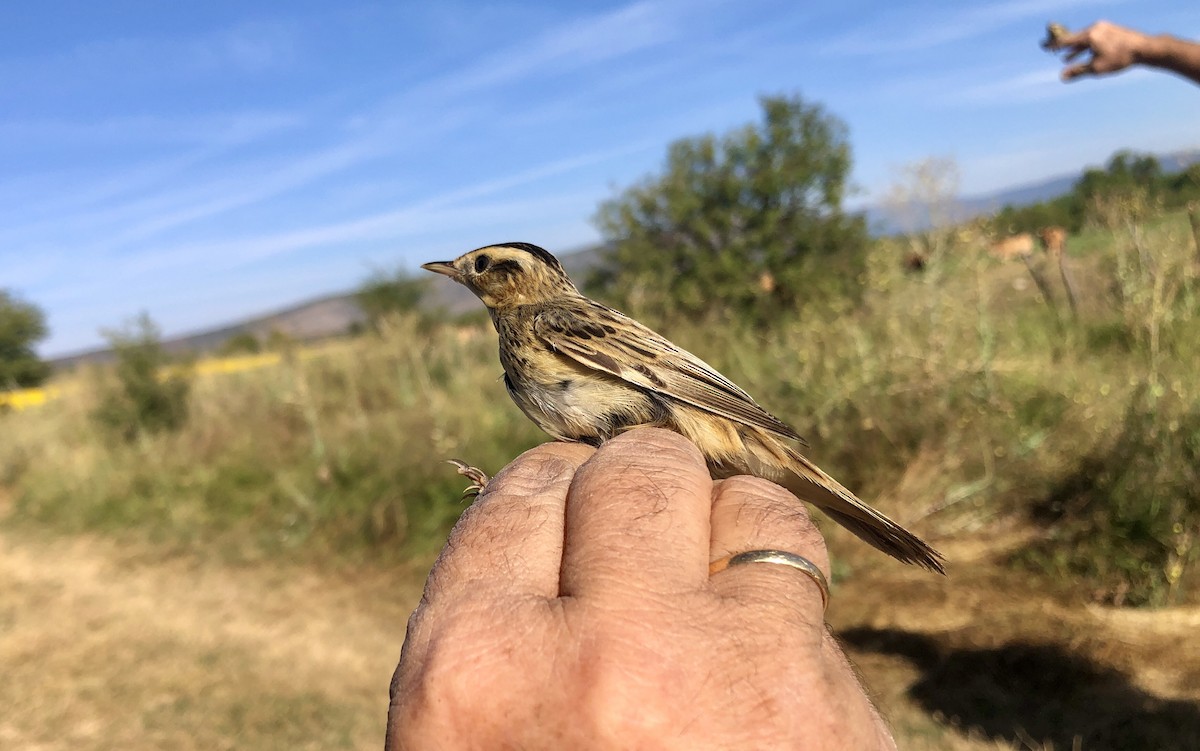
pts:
[208, 161]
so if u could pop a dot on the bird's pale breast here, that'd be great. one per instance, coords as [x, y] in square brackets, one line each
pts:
[568, 400]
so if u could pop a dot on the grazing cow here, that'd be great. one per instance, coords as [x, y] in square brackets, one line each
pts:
[766, 282]
[1014, 247]
[1054, 240]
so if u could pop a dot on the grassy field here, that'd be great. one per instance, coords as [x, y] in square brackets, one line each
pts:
[244, 581]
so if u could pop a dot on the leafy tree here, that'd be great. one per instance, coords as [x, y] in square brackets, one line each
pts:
[1128, 177]
[384, 294]
[1065, 211]
[22, 325]
[1184, 186]
[1126, 173]
[1127, 166]
[147, 397]
[741, 222]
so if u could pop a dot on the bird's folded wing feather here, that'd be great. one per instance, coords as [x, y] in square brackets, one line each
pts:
[610, 342]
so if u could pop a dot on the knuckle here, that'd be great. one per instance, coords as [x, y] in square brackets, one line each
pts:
[765, 504]
[534, 468]
[764, 493]
[659, 442]
[766, 515]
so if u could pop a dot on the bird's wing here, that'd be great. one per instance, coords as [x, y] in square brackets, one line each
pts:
[605, 340]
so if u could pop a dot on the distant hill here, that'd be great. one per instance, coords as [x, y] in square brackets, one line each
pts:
[307, 321]
[322, 318]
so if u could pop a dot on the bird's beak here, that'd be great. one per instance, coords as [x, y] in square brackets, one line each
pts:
[445, 268]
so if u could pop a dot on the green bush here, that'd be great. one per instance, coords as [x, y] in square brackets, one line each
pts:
[22, 325]
[385, 294]
[750, 223]
[142, 396]
[241, 343]
[1124, 522]
[1127, 175]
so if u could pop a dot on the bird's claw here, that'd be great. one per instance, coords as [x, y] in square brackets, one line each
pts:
[478, 478]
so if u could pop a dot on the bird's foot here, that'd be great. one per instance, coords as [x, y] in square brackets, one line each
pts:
[478, 478]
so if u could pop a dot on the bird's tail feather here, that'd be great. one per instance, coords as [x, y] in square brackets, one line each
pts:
[811, 484]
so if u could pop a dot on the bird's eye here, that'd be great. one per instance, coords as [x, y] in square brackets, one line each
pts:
[481, 264]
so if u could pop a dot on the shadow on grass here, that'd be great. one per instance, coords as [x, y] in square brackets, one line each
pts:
[1025, 693]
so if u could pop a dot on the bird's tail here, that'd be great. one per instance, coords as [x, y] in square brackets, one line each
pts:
[810, 483]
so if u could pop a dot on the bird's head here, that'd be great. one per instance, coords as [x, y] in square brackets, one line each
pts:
[508, 275]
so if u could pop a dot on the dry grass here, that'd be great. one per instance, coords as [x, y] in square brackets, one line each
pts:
[107, 648]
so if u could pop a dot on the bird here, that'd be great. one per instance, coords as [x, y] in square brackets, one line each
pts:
[584, 372]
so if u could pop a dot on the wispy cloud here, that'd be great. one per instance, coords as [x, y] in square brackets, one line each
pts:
[227, 197]
[118, 211]
[905, 31]
[396, 127]
[250, 48]
[208, 129]
[203, 139]
[447, 209]
[580, 43]
[980, 87]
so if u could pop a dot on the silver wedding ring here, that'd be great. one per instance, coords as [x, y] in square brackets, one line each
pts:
[780, 557]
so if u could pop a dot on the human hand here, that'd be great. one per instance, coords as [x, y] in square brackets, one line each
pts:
[1113, 49]
[572, 608]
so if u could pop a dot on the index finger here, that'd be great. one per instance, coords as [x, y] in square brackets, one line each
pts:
[1075, 71]
[510, 540]
[1080, 38]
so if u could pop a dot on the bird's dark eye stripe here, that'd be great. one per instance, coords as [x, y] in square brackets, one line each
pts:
[481, 263]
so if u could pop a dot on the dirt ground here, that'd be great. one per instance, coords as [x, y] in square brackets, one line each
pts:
[984, 659]
[103, 647]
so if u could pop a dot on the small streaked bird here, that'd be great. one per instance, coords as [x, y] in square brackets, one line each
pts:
[585, 372]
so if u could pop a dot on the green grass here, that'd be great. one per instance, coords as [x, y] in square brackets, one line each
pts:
[339, 453]
[956, 398]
